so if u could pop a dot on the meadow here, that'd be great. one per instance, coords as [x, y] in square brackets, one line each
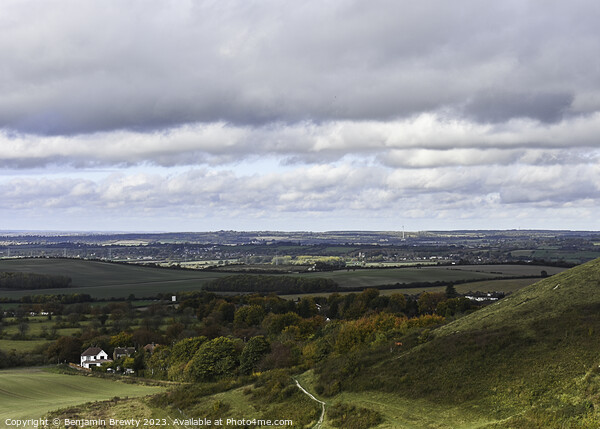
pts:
[31, 393]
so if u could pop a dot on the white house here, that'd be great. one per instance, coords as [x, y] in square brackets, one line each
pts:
[94, 356]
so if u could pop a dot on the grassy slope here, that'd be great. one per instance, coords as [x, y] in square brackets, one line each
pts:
[530, 360]
[30, 393]
[400, 412]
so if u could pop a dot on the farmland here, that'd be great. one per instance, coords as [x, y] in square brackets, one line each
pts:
[31, 393]
[386, 276]
[103, 280]
[106, 280]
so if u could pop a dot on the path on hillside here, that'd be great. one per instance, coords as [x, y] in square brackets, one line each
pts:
[311, 396]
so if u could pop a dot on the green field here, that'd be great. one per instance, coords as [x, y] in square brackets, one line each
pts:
[21, 345]
[105, 280]
[507, 270]
[360, 278]
[493, 285]
[555, 254]
[32, 392]
[376, 277]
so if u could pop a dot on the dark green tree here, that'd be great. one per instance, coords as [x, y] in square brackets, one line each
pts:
[253, 352]
[214, 359]
[451, 291]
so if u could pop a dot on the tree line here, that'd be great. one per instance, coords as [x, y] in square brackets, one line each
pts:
[28, 281]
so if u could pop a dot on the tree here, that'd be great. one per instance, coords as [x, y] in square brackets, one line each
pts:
[306, 307]
[397, 303]
[451, 291]
[122, 339]
[428, 301]
[141, 337]
[65, 349]
[253, 352]
[275, 323]
[158, 363]
[174, 330]
[181, 353]
[23, 329]
[214, 359]
[248, 315]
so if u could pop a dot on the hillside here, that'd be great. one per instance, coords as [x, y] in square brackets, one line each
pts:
[531, 360]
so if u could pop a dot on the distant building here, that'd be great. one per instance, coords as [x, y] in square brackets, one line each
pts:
[484, 296]
[123, 352]
[93, 357]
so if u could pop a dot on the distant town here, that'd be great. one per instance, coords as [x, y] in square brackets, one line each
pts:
[302, 250]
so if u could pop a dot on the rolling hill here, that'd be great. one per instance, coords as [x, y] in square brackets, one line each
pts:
[530, 360]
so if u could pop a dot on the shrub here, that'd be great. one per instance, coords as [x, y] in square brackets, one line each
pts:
[352, 417]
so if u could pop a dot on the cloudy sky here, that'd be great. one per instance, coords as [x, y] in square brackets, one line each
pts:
[312, 115]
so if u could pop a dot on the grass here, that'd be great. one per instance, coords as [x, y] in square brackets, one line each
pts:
[37, 325]
[119, 409]
[33, 392]
[21, 345]
[399, 412]
[530, 360]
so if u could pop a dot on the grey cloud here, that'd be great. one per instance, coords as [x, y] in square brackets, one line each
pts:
[501, 107]
[82, 67]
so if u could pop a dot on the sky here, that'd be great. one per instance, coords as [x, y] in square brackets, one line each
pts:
[272, 115]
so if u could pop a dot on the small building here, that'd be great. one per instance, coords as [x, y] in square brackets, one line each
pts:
[123, 352]
[93, 357]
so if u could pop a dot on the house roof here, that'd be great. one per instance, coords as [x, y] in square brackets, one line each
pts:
[92, 351]
[119, 350]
